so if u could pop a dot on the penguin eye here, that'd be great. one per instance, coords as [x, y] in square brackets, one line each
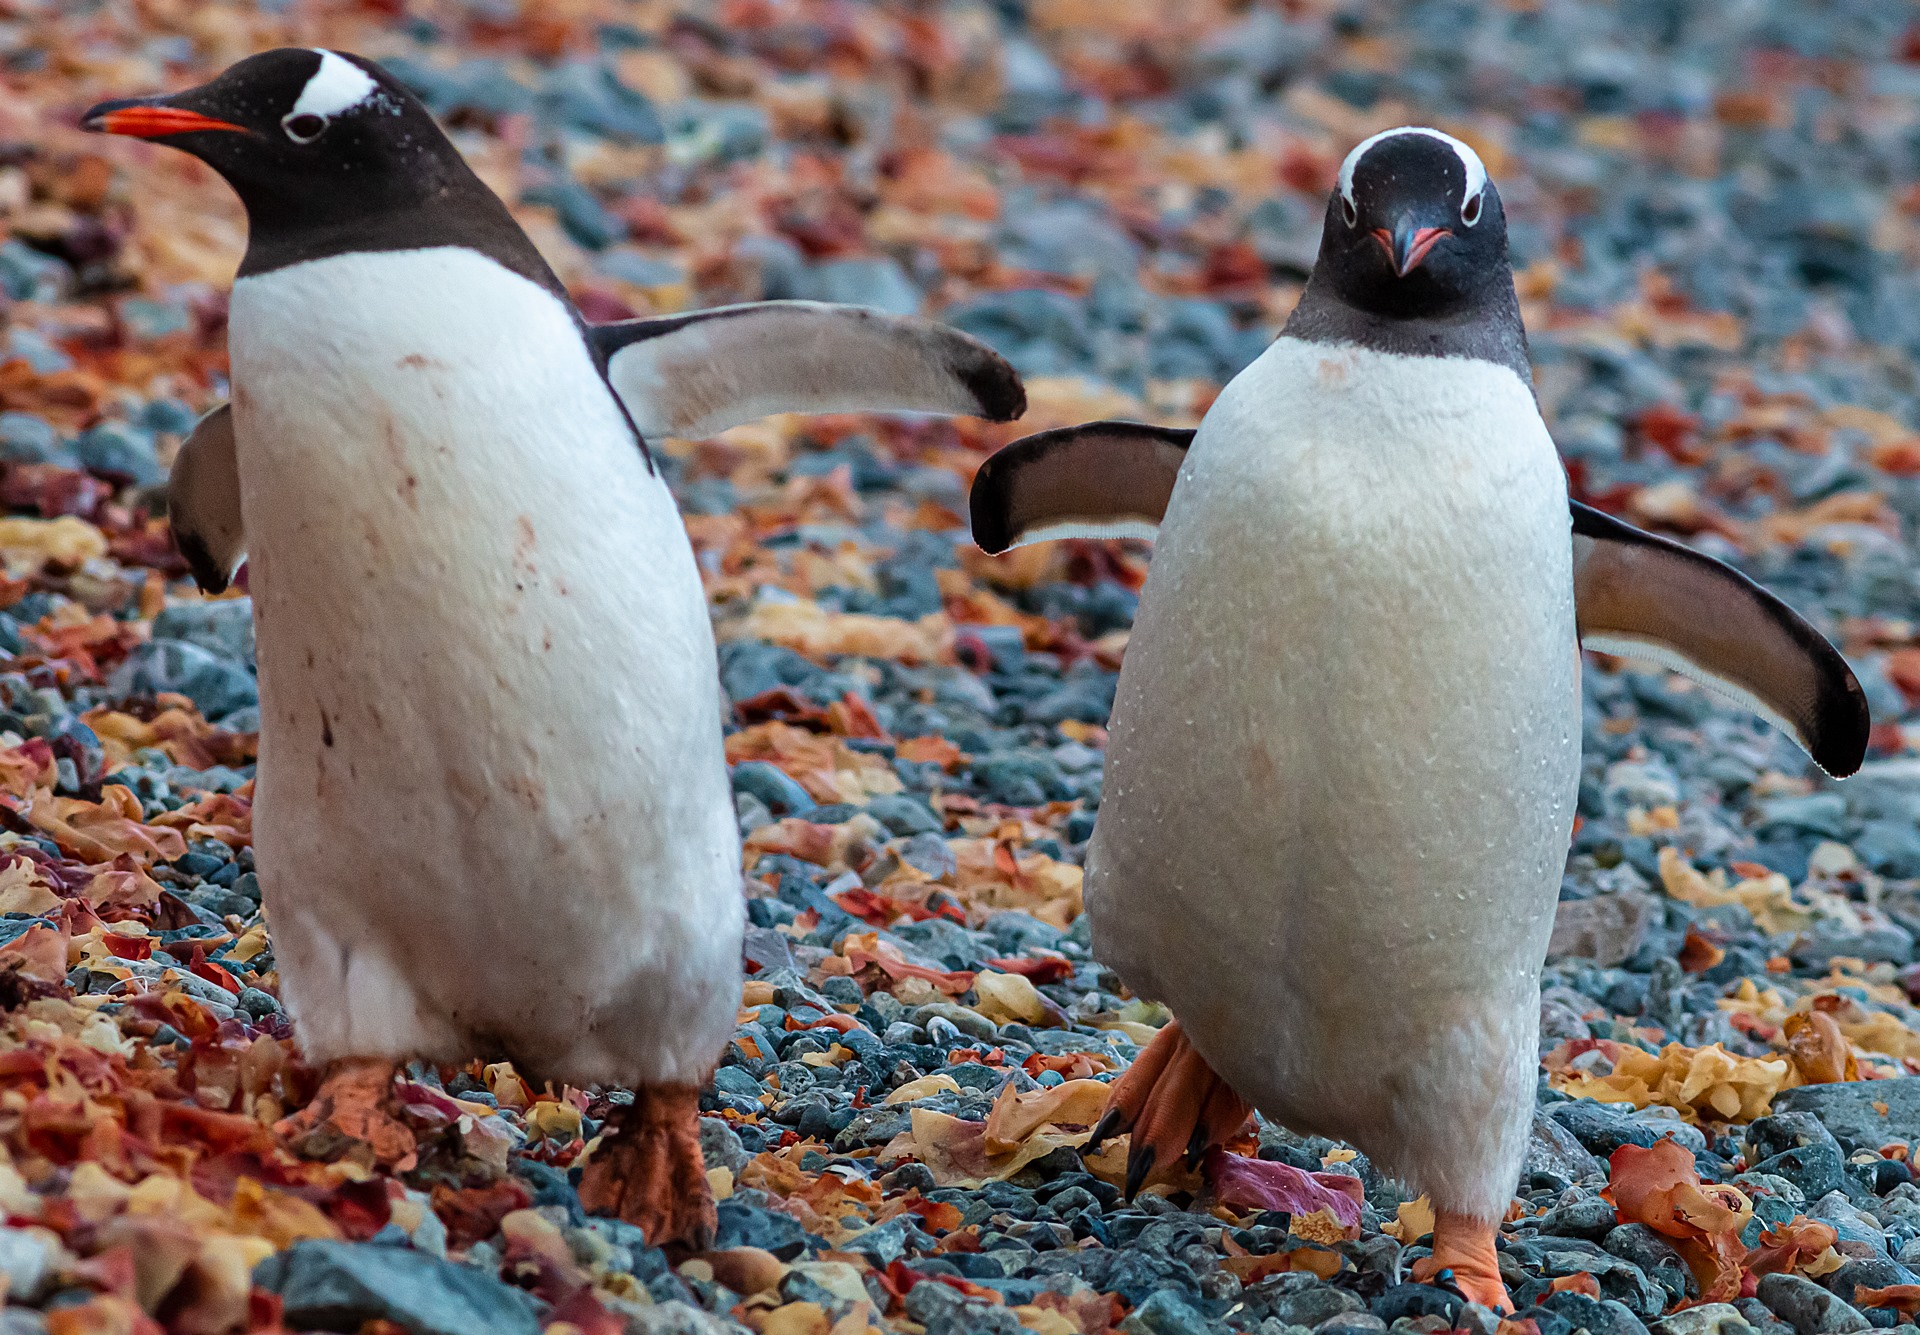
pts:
[1352, 213]
[303, 127]
[1470, 211]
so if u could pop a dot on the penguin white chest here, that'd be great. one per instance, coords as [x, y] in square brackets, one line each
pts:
[1345, 747]
[490, 711]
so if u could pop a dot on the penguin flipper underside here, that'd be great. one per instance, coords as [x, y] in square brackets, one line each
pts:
[1097, 480]
[1641, 596]
[203, 502]
[697, 374]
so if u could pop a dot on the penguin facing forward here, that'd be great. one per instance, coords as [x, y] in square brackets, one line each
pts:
[1345, 747]
[493, 815]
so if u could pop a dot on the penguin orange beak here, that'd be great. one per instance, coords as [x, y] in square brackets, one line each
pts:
[1407, 245]
[152, 120]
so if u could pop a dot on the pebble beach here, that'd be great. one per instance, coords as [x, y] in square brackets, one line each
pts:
[1714, 212]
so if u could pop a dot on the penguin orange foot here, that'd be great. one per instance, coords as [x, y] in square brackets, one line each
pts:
[1463, 1245]
[355, 1101]
[1174, 1105]
[649, 1171]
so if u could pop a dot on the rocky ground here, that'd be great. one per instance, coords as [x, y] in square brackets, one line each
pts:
[1716, 223]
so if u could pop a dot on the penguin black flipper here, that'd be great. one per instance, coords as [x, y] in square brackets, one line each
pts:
[697, 374]
[1098, 480]
[203, 502]
[1641, 596]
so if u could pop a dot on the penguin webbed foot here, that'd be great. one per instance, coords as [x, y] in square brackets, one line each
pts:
[648, 1170]
[354, 1103]
[1172, 1104]
[1464, 1260]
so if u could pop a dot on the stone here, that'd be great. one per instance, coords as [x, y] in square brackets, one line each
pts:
[1586, 1216]
[1665, 1124]
[1807, 1307]
[340, 1286]
[122, 451]
[1761, 1318]
[904, 816]
[929, 853]
[1602, 1316]
[1706, 1319]
[1783, 1131]
[673, 1317]
[1417, 1300]
[772, 786]
[1351, 1323]
[720, 1146]
[878, 282]
[1849, 1113]
[591, 97]
[1557, 1153]
[1654, 1256]
[260, 1005]
[1606, 929]
[1875, 1272]
[1311, 1306]
[26, 439]
[29, 1259]
[581, 213]
[221, 626]
[1814, 1169]
[741, 1224]
[217, 686]
[1164, 1314]
[1598, 1127]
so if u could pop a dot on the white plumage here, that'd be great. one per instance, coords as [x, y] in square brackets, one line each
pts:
[493, 812]
[1345, 753]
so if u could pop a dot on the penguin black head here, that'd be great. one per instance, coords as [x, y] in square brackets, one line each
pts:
[1413, 256]
[329, 153]
[1414, 228]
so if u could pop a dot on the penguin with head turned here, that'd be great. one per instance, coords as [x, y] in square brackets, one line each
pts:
[1345, 746]
[493, 817]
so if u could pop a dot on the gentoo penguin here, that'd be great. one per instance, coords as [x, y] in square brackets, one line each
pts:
[493, 815]
[1345, 745]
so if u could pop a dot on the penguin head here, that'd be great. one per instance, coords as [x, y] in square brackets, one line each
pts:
[306, 137]
[1414, 228]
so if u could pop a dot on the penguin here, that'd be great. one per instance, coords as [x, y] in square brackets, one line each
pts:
[492, 816]
[1344, 750]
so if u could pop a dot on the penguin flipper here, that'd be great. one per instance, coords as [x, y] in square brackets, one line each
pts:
[1638, 595]
[1097, 480]
[203, 502]
[696, 374]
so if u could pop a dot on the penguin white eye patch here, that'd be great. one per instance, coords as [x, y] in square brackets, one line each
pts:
[336, 86]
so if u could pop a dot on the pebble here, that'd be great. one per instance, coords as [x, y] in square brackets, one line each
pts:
[341, 1285]
[1807, 1307]
[1853, 1114]
[117, 449]
[1706, 1319]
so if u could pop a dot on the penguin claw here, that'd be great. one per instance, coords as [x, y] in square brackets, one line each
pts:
[1197, 1145]
[1140, 1161]
[648, 1170]
[1173, 1106]
[1111, 1124]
